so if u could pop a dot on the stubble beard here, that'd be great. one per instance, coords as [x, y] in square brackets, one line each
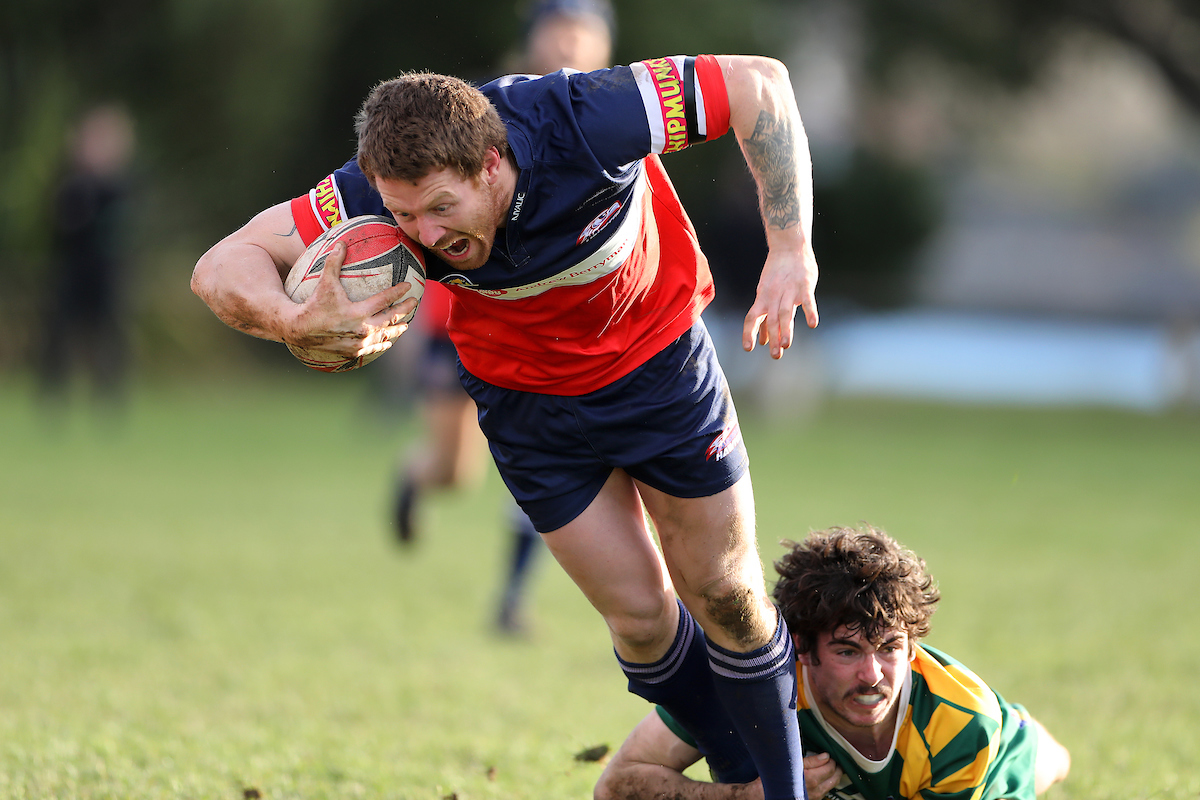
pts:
[483, 235]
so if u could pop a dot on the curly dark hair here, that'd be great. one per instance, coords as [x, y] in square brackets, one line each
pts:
[422, 122]
[862, 579]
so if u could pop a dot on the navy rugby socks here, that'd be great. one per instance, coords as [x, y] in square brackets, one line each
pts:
[752, 686]
[682, 683]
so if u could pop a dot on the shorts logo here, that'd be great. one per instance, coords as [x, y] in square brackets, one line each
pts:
[726, 441]
[606, 216]
[669, 86]
[325, 196]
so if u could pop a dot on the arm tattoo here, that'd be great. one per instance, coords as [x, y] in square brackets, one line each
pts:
[771, 153]
[289, 233]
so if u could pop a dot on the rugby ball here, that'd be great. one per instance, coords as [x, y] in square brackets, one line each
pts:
[378, 255]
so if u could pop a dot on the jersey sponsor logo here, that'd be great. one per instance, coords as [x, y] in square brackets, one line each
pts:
[325, 201]
[595, 226]
[669, 86]
[725, 441]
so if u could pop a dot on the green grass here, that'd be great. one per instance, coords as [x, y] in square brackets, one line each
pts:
[203, 597]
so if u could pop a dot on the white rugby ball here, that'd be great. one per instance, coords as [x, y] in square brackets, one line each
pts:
[378, 256]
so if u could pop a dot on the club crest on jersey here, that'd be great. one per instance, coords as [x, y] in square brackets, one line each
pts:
[603, 218]
[726, 441]
[457, 280]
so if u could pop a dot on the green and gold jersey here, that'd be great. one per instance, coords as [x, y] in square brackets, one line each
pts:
[957, 740]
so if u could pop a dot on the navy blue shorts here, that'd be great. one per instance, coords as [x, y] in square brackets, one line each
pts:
[670, 424]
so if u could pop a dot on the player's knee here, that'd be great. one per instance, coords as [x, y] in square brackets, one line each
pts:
[445, 478]
[448, 473]
[637, 634]
[644, 626]
[738, 611]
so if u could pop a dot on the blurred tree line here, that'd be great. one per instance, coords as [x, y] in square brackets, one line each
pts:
[876, 214]
[240, 105]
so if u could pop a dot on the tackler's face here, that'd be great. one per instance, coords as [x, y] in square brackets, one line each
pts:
[453, 216]
[855, 681]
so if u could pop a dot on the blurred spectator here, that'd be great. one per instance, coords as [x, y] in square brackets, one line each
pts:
[575, 34]
[571, 34]
[83, 326]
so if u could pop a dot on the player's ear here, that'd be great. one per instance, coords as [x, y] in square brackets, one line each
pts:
[802, 658]
[491, 165]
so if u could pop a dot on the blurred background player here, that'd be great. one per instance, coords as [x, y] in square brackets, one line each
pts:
[881, 715]
[556, 34]
[564, 34]
[84, 312]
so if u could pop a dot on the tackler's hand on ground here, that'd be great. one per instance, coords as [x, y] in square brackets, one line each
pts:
[331, 321]
[788, 280]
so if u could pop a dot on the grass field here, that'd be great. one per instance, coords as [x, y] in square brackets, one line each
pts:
[203, 599]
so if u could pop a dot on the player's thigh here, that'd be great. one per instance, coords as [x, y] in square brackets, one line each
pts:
[470, 442]
[610, 554]
[712, 557]
[709, 542]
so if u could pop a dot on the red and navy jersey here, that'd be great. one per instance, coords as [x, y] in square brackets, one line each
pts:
[597, 267]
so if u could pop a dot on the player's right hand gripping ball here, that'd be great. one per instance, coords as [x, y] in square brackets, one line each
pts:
[378, 255]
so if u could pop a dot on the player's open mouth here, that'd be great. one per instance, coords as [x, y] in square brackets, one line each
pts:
[457, 248]
[868, 699]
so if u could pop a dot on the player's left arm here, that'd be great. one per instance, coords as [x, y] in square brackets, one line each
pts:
[766, 121]
[650, 763]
